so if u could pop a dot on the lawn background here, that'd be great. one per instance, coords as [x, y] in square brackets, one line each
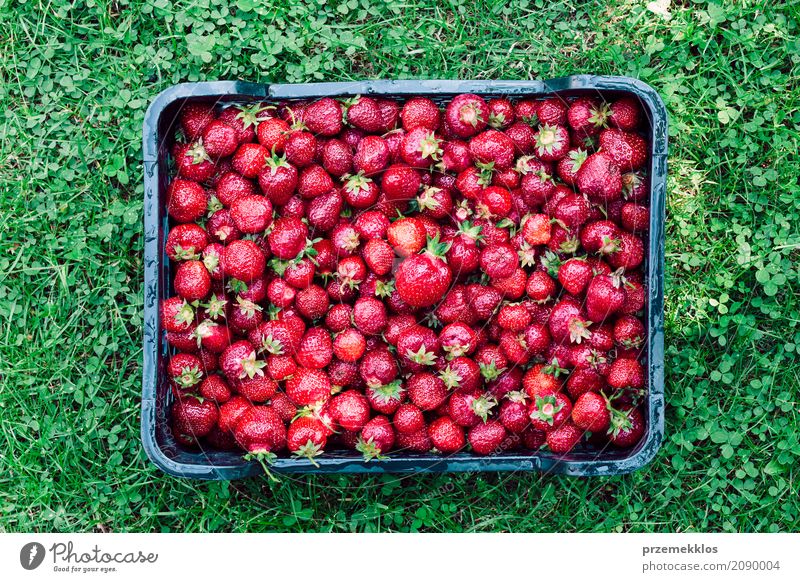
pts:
[76, 80]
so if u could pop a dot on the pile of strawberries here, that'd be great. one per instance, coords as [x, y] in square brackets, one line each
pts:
[386, 276]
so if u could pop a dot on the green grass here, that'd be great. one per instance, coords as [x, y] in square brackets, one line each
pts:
[76, 80]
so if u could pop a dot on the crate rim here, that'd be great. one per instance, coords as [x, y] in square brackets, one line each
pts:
[645, 451]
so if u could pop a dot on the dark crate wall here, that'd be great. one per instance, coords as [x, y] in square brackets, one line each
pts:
[159, 127]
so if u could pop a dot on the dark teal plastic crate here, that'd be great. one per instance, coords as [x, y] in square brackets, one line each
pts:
[159, 125]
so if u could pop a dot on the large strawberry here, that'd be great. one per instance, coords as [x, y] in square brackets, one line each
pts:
[466, 115]
[599, 178]
[423, 279]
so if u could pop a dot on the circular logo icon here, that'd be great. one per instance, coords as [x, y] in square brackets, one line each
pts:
[31, 555]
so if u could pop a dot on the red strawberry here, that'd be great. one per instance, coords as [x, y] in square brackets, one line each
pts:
[186, 201]
[536, 229]
[395, 325]
[514, 317]
[513, 286]
[499, 261]
[455, 156]
[278, 180]
[222, 228]
[513, 413]
[587, 116]
[635, 217]
[590, 413]
[523, 136]
[537, 186]
[629, 332]
[231, 411]
[600, 236]
[315, 350]
[232, 186]
[572, 211]
[634, 297]
[251, 214]
[369, 315]
[186, 241]
[625, 114]
[493, 147]
[564, 438]
[307, 437]
[192, 281]
[574, 275]
[213, 336]
[365, 114]
[551, 143]
[387, 398]
[466, 115]
[244, 120]
[324, 117]
[220, 139]
[457, 339]
[272, 134]
[377, 438]
[300, 148]
[308, 387]
[349, 345]
[339, 317]
[239, 361]
[288, 237]
[409, 419]
[420, 112]
[250, 159]
[177, 314]
[550, 411]
[487, 438]
[418, 442]
[629, 253]
[626, 373]
[540, 287]
[350, 410]
[627, 428]
[426, 391]
[627, 150]
[185, 371]
[599, 178]
[195, 117]
[345, 239]
[192, 419]
[605, 295]
[259, 429]
[243, 260]
[390, 113]
[378, 367]
[552, 111]
[312, 302]
[584, 380]
[257, 388]
[421, 280]
[343, 374]
[541, 380]
[420, 148]
[400, 182]
[494, 201]
[446, 435]
[419, 345]
[501, 113]
[569, 166]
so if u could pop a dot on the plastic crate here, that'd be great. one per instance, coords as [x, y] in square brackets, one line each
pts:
[159, 125]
